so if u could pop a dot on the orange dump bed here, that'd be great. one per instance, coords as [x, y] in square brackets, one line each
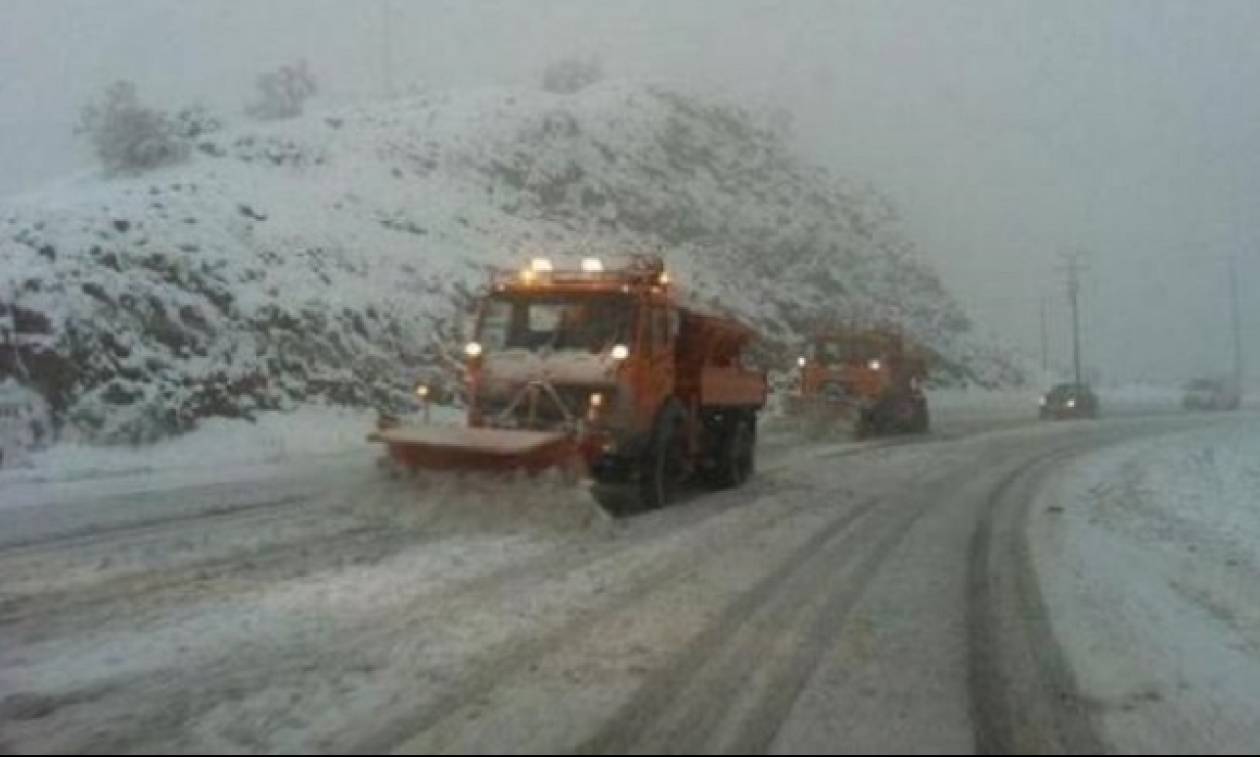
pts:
[731, 387]
[709, 349]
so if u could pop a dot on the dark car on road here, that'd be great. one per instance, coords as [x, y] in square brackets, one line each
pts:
[1211, 394]
[1069, 401]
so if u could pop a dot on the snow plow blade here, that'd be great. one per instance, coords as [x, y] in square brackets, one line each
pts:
[823, 409]
[480, 449]
[811, 407]
[822, 416]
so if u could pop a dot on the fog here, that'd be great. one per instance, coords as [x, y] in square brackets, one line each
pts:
[1007, 133]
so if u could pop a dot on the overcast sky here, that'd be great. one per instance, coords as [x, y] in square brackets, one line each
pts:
[1007, 132]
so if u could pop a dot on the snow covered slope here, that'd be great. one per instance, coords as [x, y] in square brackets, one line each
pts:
[324, 258]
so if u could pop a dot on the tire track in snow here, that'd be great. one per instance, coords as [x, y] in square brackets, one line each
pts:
[157, 705]
[103, 535]
[1012, 650]
[516, 654]
[151, 591]
[153, 565]
[726, 691]
[1013, 654]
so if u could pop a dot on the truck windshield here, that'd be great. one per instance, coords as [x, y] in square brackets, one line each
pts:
[837, 352]
[586, 323]
[1067, 390]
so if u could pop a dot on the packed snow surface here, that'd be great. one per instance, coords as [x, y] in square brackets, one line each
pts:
[1152, 556]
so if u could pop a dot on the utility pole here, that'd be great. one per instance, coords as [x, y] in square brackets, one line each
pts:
[1072, 267]
[1045, 342]
[1237, 322]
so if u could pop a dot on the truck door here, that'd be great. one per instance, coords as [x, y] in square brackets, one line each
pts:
[661, 330]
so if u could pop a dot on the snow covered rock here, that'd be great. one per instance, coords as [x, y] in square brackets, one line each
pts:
[24, 422]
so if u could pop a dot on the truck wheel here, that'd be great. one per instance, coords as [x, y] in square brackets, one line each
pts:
[617, 499]
[921, 420]
[865, 426]
[874, 421]
[662, 464]
[736, 455]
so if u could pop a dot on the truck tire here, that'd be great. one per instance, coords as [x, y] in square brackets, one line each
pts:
[922, 419]
[662, 464]
[876, 420]
[867, 425]
[736, 455]
[617, 499]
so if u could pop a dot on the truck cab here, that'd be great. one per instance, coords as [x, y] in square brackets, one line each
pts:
[651, 391]
[871, 376]
[554, 350]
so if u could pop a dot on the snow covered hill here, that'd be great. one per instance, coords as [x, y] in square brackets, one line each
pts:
[326, 258]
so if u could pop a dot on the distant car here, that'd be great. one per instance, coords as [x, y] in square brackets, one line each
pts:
[1069, 401]
[1211, 394]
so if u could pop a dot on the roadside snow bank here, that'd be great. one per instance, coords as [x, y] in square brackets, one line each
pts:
[1139, 397]
[24, 422]
[976, 402]
[218, 443]
[1150, 560]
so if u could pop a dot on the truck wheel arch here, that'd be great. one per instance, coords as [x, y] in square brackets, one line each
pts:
[655, 483]
[734, 459]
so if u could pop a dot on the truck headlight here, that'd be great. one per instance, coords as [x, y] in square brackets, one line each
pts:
[1071, 402]
[800, 361]
[620, 352]
[874, 364]
[472, 349]
[422, 391]
[595, 406]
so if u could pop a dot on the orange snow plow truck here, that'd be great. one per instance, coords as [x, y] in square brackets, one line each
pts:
[870, 379]
[599, 371]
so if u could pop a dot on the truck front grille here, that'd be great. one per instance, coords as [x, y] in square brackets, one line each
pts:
[545, 414]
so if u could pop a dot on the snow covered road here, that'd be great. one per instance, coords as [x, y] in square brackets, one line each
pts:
[853, 597]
